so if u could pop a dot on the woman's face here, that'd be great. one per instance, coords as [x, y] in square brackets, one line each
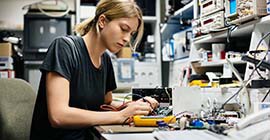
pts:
[117, 33]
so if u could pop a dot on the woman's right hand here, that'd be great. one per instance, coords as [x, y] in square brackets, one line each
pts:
[136, 108]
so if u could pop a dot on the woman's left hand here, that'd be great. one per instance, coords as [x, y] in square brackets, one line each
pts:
[153, 102]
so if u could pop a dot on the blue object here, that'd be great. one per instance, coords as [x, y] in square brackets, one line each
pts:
[197, 123]
[162, 125]
[233, 7]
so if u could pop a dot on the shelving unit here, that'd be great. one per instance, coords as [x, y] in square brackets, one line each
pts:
[246, 35]
[173, 24]
[172, 71]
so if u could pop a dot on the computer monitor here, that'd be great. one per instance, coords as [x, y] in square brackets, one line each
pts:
[40, 30]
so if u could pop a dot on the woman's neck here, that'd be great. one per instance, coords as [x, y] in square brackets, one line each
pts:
[94, 47]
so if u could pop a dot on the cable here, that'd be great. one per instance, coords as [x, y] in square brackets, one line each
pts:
[230, 29]
[54, 15]
[138, 95]
[265, 95]
[249, 79]
[38, 4]
[166, 90]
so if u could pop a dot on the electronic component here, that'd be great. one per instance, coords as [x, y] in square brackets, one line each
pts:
[212, 22]
[196, 27]
[162, 95]
[238, 11]
[6, 63]
[152, 120]
[256, 61]
[211, 6]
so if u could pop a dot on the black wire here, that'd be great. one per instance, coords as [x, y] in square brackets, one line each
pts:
[257, 66]
[260, 74]
[231, 28]
[138, 95]
[265, 95]
[125, 121]
[222, 106]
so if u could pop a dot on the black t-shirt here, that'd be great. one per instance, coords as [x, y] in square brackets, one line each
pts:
[88, 85]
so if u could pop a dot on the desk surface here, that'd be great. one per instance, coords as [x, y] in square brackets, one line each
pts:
[124, 132]
[115, 129]
[129, 136]
[119, 132]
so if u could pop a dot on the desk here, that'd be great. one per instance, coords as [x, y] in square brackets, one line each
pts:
[119, 132]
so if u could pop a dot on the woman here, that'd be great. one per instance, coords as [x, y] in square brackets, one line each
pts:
[77, 75]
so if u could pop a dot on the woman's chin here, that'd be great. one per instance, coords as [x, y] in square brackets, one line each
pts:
[114, 50]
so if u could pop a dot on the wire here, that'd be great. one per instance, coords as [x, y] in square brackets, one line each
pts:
[38, 4]
[265, 95]
[230, 29]
[54, 15]
[166, 90]
[249, 79]
[138, 95]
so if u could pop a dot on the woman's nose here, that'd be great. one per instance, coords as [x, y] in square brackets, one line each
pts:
[126, 38]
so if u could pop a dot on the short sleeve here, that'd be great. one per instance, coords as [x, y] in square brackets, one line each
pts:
[59, 59]
[110, 83]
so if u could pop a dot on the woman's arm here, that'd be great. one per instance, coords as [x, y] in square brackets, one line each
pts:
[62, 115]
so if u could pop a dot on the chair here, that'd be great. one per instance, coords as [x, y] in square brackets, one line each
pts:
[17, 99]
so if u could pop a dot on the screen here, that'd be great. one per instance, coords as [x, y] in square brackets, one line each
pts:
[233, 6]
[42, 32]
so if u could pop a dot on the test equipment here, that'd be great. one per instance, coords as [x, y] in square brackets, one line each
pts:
[152, 120]
[238, 11]
[211, 6]
[212, 22]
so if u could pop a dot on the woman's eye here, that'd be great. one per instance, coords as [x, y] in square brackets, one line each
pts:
[124, 29]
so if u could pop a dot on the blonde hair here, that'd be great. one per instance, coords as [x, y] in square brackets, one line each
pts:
[114, 9]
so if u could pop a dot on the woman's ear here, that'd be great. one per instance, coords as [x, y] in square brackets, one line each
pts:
[102, 21]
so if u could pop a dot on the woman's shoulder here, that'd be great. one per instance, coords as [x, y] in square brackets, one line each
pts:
[66, 42]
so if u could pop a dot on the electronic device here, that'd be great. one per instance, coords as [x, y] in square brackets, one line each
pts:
[254, 127]
[196, 27]
[211, 6]
[162, 95]
[238, 11]
[6, 63]
[39, 32]
[256, 61]
[212, 22]
[152, 120]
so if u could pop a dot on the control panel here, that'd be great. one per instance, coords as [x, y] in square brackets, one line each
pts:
[211, 6]
[212, 22]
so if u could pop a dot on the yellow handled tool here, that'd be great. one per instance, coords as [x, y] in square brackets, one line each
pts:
[152, 120]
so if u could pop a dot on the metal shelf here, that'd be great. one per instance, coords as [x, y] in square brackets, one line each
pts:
[241, 30]
[221, 63]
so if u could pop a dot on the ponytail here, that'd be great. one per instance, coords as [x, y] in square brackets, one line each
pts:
[84, 27]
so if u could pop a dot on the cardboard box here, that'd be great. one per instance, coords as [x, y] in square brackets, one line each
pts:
[125, 52]
[5, 49]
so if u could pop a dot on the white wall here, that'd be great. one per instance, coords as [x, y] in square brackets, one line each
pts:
[11, 13]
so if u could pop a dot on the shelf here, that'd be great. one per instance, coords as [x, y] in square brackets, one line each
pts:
[241, 30]
[151, 19]
[173, 24]
[219, 63]
[203, 67]
[185, 12]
